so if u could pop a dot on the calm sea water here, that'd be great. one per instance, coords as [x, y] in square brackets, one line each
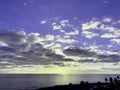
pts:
[31, 81]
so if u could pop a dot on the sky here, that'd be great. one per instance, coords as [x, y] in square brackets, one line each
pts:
[60, 36]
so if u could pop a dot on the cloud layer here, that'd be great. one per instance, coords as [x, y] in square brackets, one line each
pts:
[72, 44]
[18, 49]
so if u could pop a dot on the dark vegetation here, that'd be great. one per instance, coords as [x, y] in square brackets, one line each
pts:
[109, 84]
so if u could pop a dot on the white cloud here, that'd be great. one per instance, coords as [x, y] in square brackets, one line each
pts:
[112, 53]
[101, 52]
[62, 25]
[3, 44]
[58, 51]
[109, 46]
[57, 45]
[90, 25]
[117, 41]
[35, 38]
[66, 36]
[56, 27]
[67, 41]
[93, 47]
[48, 44]
[76, 32]
[111, 32]
[107, 19]
[64, 22]
[107, 28]
[109, 35]
[49, 37]
[52, 45]
[34, 34]
[47, 40]
[62, 31]
[43, 22]
[4, 62]
[89, 34]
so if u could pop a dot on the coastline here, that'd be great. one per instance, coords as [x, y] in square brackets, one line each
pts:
[109, 84]
[90, 86]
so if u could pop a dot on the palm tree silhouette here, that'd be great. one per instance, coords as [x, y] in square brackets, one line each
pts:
[106, 80]
[118, 77]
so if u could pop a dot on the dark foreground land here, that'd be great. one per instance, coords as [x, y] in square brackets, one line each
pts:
[109, 84]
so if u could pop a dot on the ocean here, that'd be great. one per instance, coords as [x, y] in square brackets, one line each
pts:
[34, 81]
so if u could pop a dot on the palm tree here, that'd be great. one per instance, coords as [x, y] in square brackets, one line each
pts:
[106, 80]
[118, 77]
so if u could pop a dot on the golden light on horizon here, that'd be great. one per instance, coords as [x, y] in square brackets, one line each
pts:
[39, 70]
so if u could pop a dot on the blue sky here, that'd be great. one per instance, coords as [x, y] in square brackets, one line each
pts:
[27, 13]
[57, 36]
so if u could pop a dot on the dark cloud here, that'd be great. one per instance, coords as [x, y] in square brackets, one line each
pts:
[75, 51]
[7, 49]
[95, 58]
[68, 59]
[105, 59]
[109, 58]
[24, 50]
[12, 37]
[7, 56]
[87, 61]
[59, 64]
